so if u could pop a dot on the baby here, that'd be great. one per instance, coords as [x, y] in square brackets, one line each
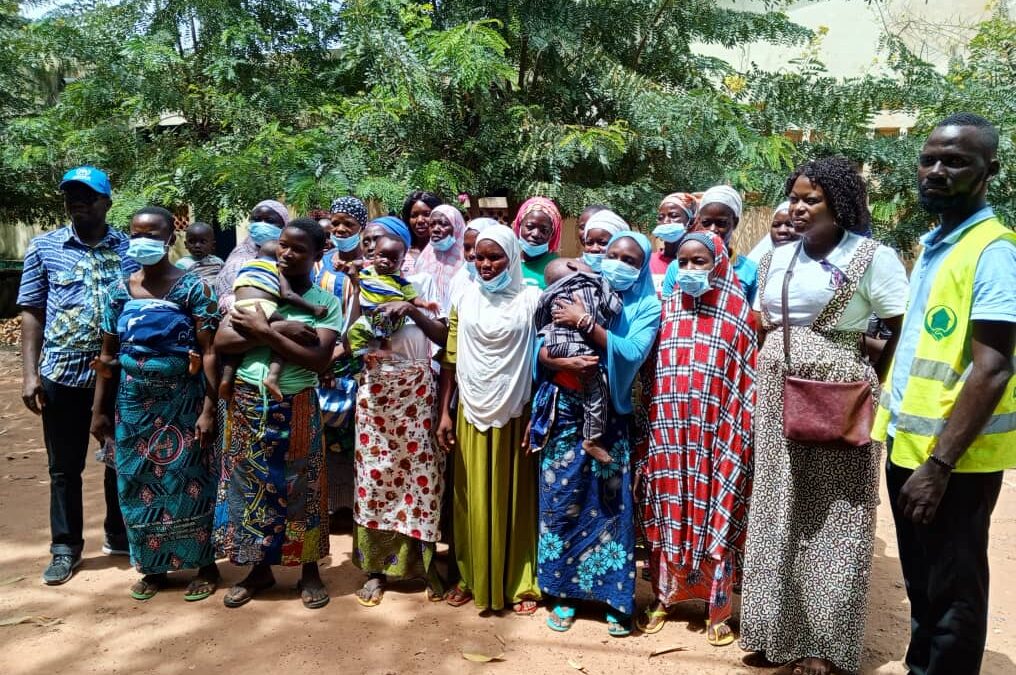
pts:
[259, 284]
[200, 242]
[377, 284]
[566, 278]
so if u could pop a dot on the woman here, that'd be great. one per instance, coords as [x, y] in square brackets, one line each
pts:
[467, 273]
[399, 474]
[675, 213]
[416, 212]
[781, 233]
[152, 322]
[489, 357]
[538, 228]
[347, 219]
[442, 257]
[599, 229]
[696, 476]
[811, 527]
[272, 505]
[587, 213]
[587, 529]
[268, 211]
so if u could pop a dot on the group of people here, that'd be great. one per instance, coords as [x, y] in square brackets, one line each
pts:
[552, 418]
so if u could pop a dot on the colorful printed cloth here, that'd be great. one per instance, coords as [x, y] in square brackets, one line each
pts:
[399, 474]
[272, 503]
[377, 289]
[586, 548]
[165, 480]
[713, 582]
[67, 278]
[697, 473]
[261, 274]
[207, 268]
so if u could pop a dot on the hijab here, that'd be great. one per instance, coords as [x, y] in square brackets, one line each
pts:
[633, 334]
[550, 208]
[765, 244]
[495, 343]
[722, 194]
[278, 207]
[478, 225]
[442, 265]
[607, 221]
[395, 227]
[242, 254]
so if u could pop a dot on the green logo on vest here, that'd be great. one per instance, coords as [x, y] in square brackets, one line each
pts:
[940, 322]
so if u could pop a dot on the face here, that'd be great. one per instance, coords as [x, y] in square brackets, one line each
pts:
[596, 241]
[491, 259]
[263, 214]
[536, 228]
[693, 255]
[810, 212]
[469, 245]
[440, 227]
[326, 226]
[954, 169]
[419, 220]
[583, 219]
[781, 231]
[368, 240]
[718, 219]
[85, 206]
[151, 226]
[344, 225]
[670, 213]
[199, 241]
[388, 255]
[297, 253]
[627, 251]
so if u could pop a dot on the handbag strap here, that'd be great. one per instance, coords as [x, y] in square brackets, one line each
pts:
[785, 296]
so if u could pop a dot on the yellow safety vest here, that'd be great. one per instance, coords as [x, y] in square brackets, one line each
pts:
[941, 365]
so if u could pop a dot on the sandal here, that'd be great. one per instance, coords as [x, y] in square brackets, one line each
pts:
[240, 595]
[645, 622]
[561, 618]
[714, 638]
[200, 588]
[310, 601]
[458, 596]
[525, 607]
[434, 596]
[147, 586]
[375, 588]
[616, 627]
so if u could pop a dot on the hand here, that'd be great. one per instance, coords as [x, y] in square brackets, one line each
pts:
[396, 310]
[33, 395]
[252, 325]
[922, 493]
[327, 379]
[101, 427]
[297, 331]
[583, 366]
[446, 439]
[205, 428]
[525, 438]
[567, 313]
[350, 268]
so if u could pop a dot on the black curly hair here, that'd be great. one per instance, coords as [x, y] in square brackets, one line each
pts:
[310, 227]
[428, 198]
[843, 187]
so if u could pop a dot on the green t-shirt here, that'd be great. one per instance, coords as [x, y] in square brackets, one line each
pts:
[293, 379]
[532, 270]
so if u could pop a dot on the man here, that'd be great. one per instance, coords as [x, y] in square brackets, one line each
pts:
[950, 400]
[66, 275]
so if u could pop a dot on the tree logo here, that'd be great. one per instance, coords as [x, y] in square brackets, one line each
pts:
[940, 321]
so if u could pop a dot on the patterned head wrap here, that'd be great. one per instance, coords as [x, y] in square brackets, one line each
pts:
[707, 239]
[547, 206]
[351, 206]
[685, 200]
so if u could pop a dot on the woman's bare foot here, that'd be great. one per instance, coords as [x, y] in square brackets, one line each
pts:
[259, 579]
[814, 666]
[312, 588]
[372, 591]
[597, 451]
[653, 618]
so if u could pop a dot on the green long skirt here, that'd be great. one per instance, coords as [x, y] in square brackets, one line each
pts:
[495, 501]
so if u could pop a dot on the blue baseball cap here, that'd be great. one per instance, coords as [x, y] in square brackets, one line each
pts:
[90, 177]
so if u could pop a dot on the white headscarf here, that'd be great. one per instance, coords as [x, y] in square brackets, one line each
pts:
[765, 244]
[494, 366]
[722, 194]
[480, 224]
[608, 221]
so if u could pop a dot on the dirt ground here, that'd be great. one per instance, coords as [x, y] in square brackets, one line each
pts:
[102, 630]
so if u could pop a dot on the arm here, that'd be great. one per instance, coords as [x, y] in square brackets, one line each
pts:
[206, 420]
[568, 314]
[578, 365]
[316, 357]
[105, 392]
[32, 321]
[446, 386]
[895, 324]
[992, 348]
[435, 329]
[229, 341]
[291, 297]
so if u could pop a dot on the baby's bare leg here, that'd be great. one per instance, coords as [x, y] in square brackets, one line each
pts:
[271, 380]
[229, 364]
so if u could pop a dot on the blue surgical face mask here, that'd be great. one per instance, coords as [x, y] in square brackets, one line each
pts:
[471, 270]
[620, 275]
[346, 244]
[594, 260]
[262, 232]
[497, 284]
[533, 250]
[443, 244]
[146, 251]
[669, 232]
[695, 283]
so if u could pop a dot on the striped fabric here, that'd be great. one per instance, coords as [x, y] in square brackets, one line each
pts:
[68, 279]
[261, 274]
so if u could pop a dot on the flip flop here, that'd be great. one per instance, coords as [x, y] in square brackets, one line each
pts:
[377, 593]
[238, 595]
[310, 602]
[715, 640]
[616, 627]
[458, 596]
[565, 616]
[193, 593]
[644, 621]
[521, 609]
[145, 589]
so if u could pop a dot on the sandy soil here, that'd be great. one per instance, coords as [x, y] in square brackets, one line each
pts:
[102, 630]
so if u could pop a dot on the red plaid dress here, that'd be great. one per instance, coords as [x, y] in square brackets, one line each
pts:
[696, 474]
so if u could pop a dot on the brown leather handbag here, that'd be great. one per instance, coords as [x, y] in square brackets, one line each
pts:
[823, 413]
